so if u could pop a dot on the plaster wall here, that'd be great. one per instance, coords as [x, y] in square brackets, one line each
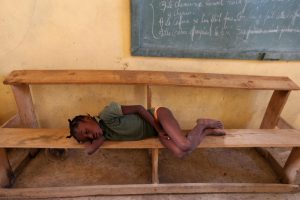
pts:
[95, 34]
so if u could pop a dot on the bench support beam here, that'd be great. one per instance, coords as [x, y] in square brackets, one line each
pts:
[274, 109]
[277, 168]
[7, 177]
[270, 121]
[292, 167]
[175, 188]
[155, 177]
[25, 105]
[25, 109]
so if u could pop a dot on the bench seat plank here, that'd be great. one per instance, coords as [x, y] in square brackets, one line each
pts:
[172, 188]
[56, 138]
[150, 77]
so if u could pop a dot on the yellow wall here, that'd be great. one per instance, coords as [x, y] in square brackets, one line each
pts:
[95, 34]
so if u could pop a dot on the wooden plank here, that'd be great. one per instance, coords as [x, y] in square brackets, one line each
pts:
[14, 122]
[149, 97]
[292, 167]
[270, 120]
[155, 177]
[25, 106]
[7, 177]
[15, 171]
[22, 164]
[150, 77]
[56, 138]
[282, 124]
[274, 109]
[272, 162]
[183, 188]
[25, 109]
[278, 169]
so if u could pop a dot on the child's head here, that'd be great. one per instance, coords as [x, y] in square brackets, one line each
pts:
[84, 128]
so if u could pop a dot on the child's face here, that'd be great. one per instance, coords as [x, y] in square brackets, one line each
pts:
[88, 130]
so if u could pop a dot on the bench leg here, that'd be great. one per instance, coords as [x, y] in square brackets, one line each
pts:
[292, 167]
[274, 109]
[270, 121]
[7, 177]
[155, 178]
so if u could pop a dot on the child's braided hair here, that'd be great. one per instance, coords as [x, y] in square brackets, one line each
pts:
[74, 123]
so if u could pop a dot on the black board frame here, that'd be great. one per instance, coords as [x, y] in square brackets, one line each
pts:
[139, 49]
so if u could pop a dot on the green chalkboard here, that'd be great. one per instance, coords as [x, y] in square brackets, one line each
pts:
[242, 29]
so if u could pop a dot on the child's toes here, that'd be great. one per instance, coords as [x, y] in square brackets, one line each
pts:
[217, 132]
[220, 125]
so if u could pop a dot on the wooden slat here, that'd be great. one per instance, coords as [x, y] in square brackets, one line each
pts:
[23, 161]
[270, 121]
[154, 154]
[56, 138]
[79, 191]
[7, 177]
[149, 97]
[14, 122]
[292, 167]
[150, 77]
[277, 168]
[22, 164]
[25, 105]
[25, 109]
[274, 109]
[282, 124]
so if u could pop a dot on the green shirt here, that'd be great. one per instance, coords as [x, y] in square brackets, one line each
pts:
[117, 126]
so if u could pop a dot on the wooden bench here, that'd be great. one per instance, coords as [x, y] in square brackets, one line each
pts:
[267, 136]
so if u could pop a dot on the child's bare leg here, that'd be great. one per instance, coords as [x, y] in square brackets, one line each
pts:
[173, 147]
[168, 143]
[180, 153]
[172, 128]
[204, 127]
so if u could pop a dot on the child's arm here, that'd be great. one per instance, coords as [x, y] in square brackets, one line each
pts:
[90, 148]
[141, 111]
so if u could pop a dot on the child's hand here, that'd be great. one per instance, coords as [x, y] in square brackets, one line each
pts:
[91, 148]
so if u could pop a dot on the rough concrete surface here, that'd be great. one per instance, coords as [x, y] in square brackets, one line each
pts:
[134, 167]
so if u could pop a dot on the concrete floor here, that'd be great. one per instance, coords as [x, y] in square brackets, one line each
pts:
[133, 167]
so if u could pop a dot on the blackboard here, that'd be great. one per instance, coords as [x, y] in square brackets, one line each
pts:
[242, 29]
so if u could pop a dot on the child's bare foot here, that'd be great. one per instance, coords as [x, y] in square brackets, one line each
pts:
[210, 123]
[214, 132]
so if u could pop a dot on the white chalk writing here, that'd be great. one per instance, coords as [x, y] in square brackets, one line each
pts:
[199, 19]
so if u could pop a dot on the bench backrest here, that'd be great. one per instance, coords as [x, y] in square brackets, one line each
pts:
[21, 79]
[150, 78]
